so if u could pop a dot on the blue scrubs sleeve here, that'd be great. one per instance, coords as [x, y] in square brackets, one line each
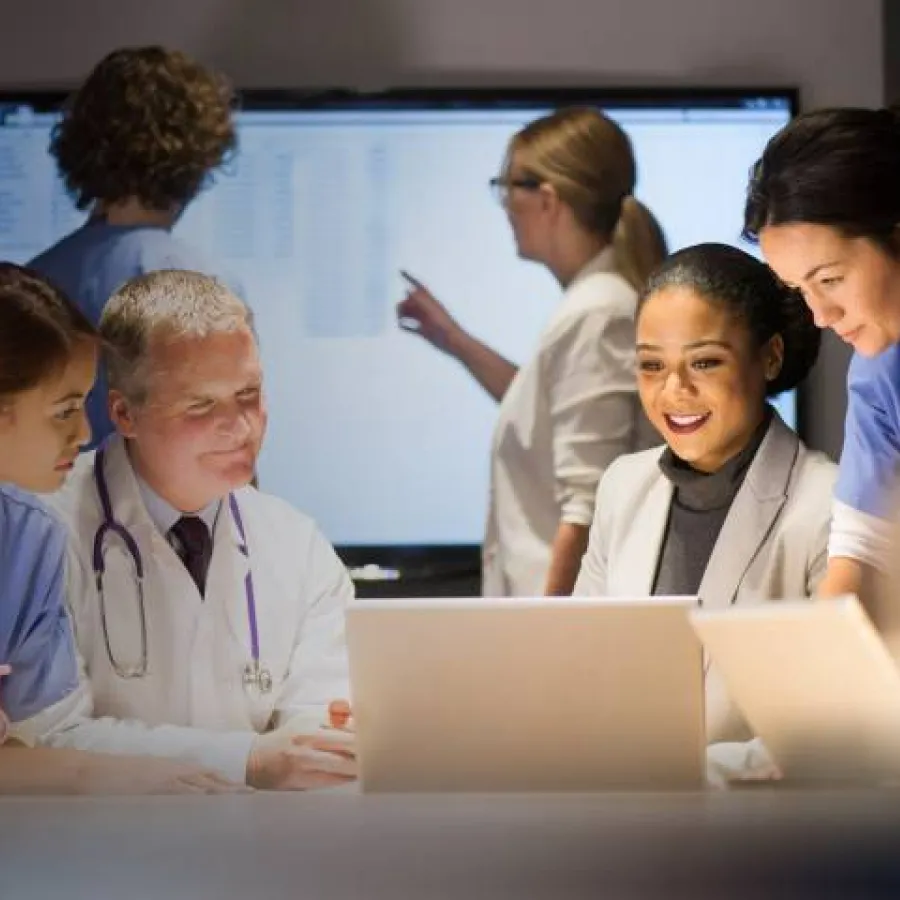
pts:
[35, 634]
[870, 460]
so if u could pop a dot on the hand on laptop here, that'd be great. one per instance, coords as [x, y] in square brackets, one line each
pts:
[285, 761]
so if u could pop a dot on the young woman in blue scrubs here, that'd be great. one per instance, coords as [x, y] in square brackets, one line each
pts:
[824, 203]
[48, 353]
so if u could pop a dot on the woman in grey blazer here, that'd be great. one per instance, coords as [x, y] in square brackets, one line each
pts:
[733, 507]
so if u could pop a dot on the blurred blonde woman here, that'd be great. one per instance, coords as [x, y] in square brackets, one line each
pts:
[565, 415]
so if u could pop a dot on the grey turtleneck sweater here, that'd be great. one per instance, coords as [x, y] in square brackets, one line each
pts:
[700, 504]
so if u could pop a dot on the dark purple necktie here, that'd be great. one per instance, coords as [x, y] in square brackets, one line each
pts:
[194, 546]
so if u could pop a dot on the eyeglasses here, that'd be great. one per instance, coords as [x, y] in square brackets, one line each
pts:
[500, 187]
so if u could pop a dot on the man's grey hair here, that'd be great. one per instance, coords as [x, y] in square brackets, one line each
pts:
[166, 305]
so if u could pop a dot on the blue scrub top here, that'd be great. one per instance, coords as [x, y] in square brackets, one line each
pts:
[94, 261]
[870, 460]
[35, 634]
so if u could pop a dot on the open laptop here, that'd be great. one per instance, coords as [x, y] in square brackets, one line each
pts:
[551, 694]
[816, 683]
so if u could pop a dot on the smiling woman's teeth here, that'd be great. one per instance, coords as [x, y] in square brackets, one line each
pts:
[685, 421]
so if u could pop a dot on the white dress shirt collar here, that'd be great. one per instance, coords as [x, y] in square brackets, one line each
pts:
[164, 515]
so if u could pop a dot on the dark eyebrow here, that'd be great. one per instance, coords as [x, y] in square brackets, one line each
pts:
[694, 345]
[816, 269]
[710, 342]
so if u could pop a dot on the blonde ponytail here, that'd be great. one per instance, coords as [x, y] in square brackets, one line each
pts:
[639, 243]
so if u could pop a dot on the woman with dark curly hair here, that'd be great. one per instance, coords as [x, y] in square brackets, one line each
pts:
[733, 508]
[136, 143]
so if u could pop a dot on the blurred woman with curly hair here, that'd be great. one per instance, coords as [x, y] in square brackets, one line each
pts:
[135, 144]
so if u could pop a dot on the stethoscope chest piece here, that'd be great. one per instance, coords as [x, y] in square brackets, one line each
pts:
[258, 677]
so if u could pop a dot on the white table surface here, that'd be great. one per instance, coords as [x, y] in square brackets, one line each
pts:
[343, 844]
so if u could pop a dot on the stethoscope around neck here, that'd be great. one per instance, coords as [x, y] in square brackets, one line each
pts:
[254, 675]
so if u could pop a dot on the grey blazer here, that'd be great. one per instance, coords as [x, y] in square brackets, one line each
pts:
[773, 544]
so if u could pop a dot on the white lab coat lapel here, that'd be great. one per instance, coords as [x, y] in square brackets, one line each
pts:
[128, 507]
[752, 515]
[170, 621]
[222, 642]
[638, 555]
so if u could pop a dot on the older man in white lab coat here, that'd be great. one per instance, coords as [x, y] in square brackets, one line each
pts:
[209, 616]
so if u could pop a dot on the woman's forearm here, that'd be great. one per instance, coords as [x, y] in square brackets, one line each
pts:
[843, 576]
[41, 771]
[568, 549]
[492, 371]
